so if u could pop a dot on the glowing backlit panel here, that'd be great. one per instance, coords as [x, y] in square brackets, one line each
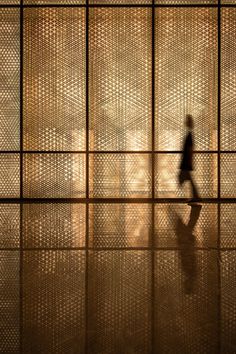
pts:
[9, 225]
[119, 302]
[9, 302]
[186, 307]
[228, 175]
[119, 225]
[9, 2]
[179, 225]
[167, 171]
[228, 225]
[186, 76]
[120, 79]
[9, 175]
[228, 1]
[228, 305]
[53, 301]
[125, 2]
[228, 79]
[54, 2]
[54, 79]
[54, 225]
[120, 175]
[9, 83]
[54, 175]
[186, 2]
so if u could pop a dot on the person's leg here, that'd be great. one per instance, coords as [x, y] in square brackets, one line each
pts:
[194, 188]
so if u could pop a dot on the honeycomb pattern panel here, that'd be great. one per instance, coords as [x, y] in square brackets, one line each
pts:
[119, 302]
[120, 175]
[9, 175]
[186, 308]
[54, 2]
[228, 2]
[228, 78]
[167, 172]
[179, 225]
[53, 301]
[54, 79]
[9, 83]
[9, 2]
[120, 84]
[228, 307]
[9, 303]
[228, 225]
[228, 175]
[54, 225]
[9, 225]
[186, 2]
[125, 2]
[186, 76]
[119, 225]
[54, 175]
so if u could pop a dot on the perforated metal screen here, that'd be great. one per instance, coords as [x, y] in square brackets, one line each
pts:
[99, 251]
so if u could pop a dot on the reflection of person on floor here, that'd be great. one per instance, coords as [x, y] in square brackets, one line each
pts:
[187, 159]
[186, 244]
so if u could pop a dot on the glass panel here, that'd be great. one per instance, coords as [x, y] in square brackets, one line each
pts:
[228, 304]
[9, 83]
[9, 225]
[54, 225]
[120, 84]
[167, 171]
[228, 79]
[53, 301]
[119, 225]
[9, 303]
[186, 2]
[54, 175]
[9, 175]
[120, 175]
[186, 76]
[179, 225]
[228, 175]
[119, 302]
[52, 2]
[54, 79]
[228, 225]
[186, 308]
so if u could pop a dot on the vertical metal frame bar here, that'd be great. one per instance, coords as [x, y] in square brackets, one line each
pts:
[218, 175]
[21, 172]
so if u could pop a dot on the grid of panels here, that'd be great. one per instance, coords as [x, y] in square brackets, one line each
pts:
[118, 288]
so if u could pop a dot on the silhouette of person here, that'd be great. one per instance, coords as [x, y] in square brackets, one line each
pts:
[186, 165]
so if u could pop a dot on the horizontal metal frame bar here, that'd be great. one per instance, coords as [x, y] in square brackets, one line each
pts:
[118, 5]
[112, 200]
[92, 152]
[223, 249]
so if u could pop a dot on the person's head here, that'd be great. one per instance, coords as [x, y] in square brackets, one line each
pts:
[189, 121]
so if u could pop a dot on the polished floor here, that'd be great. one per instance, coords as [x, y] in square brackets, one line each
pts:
[124, 286]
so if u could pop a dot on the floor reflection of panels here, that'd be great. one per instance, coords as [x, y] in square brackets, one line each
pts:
[228, 304]
[119, 302]
[177, 225]
[53, 301]
[186, 305]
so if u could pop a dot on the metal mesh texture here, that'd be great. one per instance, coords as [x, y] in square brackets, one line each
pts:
[54, 225]
[119, 225]
[186, 78]
[54, 2]
[228, 80]
[120, 175]
[228, 225]
[54, 175]
[204, 174]
[119, 302]
[186, 2]
[54, 79]
[9, 302]
[120, 88]
[9, 175]
[9, 225]
[186, 307]
[228, 175]
[53, 301]
[9, 83]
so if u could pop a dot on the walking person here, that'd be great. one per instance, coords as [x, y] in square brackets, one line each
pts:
[186, 166]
